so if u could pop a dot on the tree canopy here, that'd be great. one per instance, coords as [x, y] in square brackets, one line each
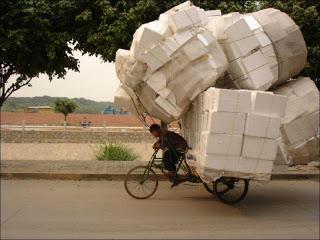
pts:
[64, 106]
[38, 36]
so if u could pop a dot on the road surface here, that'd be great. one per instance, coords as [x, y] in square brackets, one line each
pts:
[32, 209]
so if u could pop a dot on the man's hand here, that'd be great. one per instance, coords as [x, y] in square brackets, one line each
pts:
[157, 145]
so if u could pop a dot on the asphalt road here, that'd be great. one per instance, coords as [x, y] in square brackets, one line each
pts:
[39, 209]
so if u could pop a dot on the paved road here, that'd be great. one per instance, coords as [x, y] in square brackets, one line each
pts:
[101, 209]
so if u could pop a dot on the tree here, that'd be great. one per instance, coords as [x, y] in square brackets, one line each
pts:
[64, 106]
[35, 38]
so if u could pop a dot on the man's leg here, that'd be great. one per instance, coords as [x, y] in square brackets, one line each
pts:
[169, 161]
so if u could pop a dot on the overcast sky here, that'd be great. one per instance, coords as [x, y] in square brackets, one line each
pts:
[96, 80]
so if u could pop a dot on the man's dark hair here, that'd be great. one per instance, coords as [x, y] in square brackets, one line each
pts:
[154, 127]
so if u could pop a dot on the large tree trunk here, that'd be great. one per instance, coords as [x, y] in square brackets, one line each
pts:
[8, 88]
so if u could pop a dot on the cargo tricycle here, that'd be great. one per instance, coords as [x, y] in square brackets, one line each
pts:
[141, 182]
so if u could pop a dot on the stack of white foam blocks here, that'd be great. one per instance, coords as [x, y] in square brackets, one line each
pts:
[300, 125]
[171, 61]
[177, 58]
[237, 132]
[264, 48]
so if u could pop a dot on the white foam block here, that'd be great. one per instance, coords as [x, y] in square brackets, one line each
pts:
[226, 100]
[262, 126]
[239, 30]
[252, 23]
[219, 162]
[266, 103]
[255, 166]
[259, 148]
[221, 144]
[156, 57]
[194, 50]
[226, 123]
[253, 61]
[184, 18]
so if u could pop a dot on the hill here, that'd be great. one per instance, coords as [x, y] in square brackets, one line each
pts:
[17, 104]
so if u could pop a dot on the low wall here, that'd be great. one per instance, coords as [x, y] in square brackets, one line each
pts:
[32, 136]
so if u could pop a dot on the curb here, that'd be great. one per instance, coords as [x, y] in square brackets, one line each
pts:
[121, 176]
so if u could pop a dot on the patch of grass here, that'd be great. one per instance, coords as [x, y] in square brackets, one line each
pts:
[115, 151]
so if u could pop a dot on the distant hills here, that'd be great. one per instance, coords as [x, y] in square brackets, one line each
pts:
[18, 104]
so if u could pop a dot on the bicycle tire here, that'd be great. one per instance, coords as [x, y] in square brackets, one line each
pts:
[130, 175]
[221, 195]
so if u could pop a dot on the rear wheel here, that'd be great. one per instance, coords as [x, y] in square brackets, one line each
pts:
[231, 190]
[141, 182]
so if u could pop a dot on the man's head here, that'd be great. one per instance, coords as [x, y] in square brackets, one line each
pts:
[155, 130]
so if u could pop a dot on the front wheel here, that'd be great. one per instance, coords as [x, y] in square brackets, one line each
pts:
[141, 182]
[231, 190]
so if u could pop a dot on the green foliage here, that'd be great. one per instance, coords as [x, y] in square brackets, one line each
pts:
[116, 152]
[64, 106]
[35, 38]
[16, 104]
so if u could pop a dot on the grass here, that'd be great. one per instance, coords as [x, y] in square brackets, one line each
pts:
[115, 151]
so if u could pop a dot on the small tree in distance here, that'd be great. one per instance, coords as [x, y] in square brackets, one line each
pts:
[64, 106]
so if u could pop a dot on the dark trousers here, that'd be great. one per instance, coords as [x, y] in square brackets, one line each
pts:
[170, 158]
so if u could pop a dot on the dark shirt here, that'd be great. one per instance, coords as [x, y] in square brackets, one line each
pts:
[170, 139]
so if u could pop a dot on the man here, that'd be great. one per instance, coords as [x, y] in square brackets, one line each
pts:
[172, 144]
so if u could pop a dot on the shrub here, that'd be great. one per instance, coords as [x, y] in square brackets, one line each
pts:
[116, 152]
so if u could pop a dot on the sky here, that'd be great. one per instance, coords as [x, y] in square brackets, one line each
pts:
[96, 80]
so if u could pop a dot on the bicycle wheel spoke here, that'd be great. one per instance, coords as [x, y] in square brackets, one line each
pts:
[140, 183]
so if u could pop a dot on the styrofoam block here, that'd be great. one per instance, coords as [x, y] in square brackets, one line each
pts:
[183, 19]
[259, 148]
[266, 103]
[236, 69]
[157, 80]
[298, 106]
[262, 126]
[128, 69]
[226, 123]
[253, 61]
[275, 33]
[232, 100]
[170, 46]
[216, 26]
[242, 47]
[182, 37]
[301, 129]
[194, 50]
[218, 161]
[263, 39]
[258, 79]
[252, 22]
[221, 144]
[155, 57]
[168, 106]
[269, 54]
[206, 38]
[255, 166]
[145, 37]
[239, 30]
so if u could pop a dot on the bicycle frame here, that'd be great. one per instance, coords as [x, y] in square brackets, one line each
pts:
[156, 162]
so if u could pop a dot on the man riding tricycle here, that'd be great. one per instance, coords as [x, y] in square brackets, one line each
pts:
[142, 181]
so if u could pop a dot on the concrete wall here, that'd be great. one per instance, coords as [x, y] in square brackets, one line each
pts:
[31, 136]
